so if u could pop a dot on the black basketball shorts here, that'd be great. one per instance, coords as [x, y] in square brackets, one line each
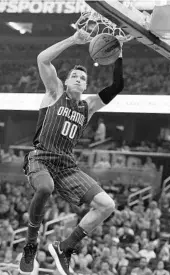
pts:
[74, 186]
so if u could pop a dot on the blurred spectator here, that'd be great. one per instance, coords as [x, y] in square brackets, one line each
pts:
[113, 232]
[105, 269]
[103, 163]
[114, 250]
[132, 253]
[120, 162]
[117, 218]
[148, 252]
[52, 212]
[153, 212]
[8, 255]
[6, 232]
[164, 254]
[21, 156]
[142, 147]
[83, 255]
[142, 269]
[83, 269]
[122, 261]
[107, 240]
[106, 255]
[126, 234]
[42, 261]
[160, 269]
[123, 270]
[164, 203]
[154, 230]
[100, 134]
[29, 81]
[125, 147]
[4, 207]
[33, 82]
[7, 88]
[23, 81]
[10, 156]
[149, 165]
[143, 236]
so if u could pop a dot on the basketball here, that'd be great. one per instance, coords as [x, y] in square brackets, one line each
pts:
[104, 49]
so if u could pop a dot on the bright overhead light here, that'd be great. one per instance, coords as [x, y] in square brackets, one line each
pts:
[22, 31]
[21, 27]
[14, 25]
[96, 64]
[73, 26]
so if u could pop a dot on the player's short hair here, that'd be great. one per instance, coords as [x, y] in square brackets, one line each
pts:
[77, 67]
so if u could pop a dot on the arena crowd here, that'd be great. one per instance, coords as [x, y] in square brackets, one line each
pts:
[141, 76]
[132, 241]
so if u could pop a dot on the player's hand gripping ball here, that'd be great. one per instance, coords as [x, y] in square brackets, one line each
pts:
[82, 37]
[104, 49]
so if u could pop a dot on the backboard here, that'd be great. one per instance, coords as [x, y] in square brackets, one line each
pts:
[132, 21]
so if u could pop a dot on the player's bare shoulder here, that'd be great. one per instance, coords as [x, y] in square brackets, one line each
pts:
[50, 98]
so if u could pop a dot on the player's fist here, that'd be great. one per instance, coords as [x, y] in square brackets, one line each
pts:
[81, 37]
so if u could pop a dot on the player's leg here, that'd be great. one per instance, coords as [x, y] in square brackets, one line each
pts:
[102, 206]
[77, 188]
[43, 185]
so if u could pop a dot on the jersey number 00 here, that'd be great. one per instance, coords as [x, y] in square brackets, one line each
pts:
[69, 129]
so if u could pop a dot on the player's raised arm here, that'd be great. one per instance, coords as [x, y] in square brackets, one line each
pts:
[106, 95]
[47, 70]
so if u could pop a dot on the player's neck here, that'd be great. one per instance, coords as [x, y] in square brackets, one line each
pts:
[74, 95]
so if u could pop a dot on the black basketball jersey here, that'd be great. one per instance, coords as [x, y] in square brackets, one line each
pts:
[60, 126]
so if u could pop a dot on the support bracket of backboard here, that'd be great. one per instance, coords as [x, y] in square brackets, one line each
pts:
[130, 23]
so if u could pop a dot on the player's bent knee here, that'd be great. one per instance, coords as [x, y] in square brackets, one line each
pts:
[46, 189]
[109, 208]
[43, 183]
[103, 202]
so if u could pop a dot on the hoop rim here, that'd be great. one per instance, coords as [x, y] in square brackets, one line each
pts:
[101, 25]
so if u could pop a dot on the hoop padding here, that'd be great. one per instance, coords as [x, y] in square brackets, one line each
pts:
[94, 23]
[160, 21]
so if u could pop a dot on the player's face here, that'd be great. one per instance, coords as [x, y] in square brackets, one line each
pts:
[77, 81]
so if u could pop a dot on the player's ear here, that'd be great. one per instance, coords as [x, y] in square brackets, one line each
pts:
[85, 87]
[66, 82]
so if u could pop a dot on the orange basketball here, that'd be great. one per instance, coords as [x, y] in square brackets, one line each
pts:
[104, 49]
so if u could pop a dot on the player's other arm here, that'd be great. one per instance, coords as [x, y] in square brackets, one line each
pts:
[47, 71]
[106, 95]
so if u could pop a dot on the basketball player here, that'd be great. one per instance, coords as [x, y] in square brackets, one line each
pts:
[63, 117]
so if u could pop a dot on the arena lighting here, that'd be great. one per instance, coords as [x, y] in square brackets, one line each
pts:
[73, 26]
[21, 27]
[22, 31]
[96, 64]
[120, 128]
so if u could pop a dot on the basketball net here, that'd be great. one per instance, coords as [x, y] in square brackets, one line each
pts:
[94, 24]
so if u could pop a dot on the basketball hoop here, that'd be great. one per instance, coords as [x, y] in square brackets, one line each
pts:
[94, 24]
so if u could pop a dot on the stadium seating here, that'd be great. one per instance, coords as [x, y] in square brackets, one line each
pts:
[141, 76]
[122, 240]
